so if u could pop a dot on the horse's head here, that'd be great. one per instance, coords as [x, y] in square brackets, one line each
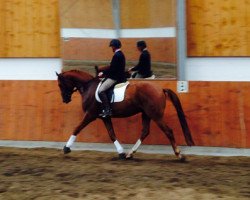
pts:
[66, 86]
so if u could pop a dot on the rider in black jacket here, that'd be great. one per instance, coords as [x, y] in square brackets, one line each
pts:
[114, 73]
[143, 68]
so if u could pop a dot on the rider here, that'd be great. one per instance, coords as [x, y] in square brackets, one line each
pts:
[114, 73]
[143, 68]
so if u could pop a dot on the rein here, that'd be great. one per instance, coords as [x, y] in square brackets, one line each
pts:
[84, 86]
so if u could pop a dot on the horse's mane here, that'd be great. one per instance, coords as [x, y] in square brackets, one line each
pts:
[84, 76]
[78, 72]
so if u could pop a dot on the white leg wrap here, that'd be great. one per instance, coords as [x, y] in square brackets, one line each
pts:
[119, 148]
[71, 141]
[136, 146]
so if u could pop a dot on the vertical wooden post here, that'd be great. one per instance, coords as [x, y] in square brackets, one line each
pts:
[181, 39]
[116, 17]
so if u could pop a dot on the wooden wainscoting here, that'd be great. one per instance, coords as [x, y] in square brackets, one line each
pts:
[218, 114]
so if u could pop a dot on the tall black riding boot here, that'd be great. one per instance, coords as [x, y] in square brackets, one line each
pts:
[106, 112]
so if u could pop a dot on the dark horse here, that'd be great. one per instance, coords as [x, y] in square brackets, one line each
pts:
[141, 97]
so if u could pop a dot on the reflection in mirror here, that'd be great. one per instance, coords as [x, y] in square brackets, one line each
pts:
[87, 26]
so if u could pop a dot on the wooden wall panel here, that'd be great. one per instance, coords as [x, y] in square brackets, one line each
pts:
[2, 30]
[217, 112]
[86, 14]
[29, 28]
[148, 13]
[218, 28]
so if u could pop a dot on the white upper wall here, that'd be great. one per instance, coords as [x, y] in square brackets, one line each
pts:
[217, 69]
[196, 69]
[29, 68]
[124, 33]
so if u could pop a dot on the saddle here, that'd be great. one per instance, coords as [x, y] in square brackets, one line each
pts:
[115, 94]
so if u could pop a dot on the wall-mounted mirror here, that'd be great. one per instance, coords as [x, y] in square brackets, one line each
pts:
[87, 26]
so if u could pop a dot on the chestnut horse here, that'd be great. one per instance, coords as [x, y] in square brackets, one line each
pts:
[141, 97]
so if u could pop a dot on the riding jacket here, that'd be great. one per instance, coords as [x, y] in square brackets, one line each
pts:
[144, 65]
[116, 70]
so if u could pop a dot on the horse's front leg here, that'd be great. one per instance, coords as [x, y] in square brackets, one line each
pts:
[86, 120]
[110, 129]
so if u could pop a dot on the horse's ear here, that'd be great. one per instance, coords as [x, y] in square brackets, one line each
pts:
[96, 70]
[59, 76]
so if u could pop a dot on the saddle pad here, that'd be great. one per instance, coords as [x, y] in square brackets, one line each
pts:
[119, 92]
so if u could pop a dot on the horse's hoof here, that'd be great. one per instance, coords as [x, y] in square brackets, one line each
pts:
[129, 156]
[182, 159]
[122, 156]
[66, 150]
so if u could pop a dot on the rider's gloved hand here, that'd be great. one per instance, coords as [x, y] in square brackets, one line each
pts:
[100, 74]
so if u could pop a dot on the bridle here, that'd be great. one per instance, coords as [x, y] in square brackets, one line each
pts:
[67, 92]
[81, 89]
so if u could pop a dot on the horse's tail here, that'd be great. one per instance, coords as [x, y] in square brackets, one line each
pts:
[177, 104]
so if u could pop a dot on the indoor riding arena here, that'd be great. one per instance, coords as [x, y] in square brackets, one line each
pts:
[200, 51]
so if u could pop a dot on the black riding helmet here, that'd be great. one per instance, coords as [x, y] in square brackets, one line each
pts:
[142, 44]
[115, 43]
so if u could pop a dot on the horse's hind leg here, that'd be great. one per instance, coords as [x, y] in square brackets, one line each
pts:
[169, 133]
[145, 132]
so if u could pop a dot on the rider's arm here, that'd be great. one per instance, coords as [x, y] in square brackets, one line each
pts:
[104, 68]
[140, 64]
